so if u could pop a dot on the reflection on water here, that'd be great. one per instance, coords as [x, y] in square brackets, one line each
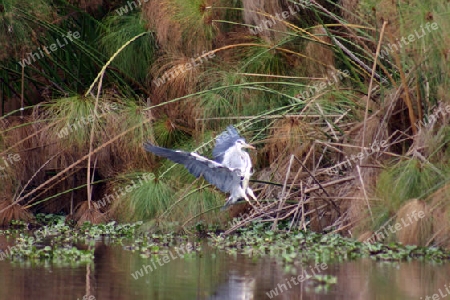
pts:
[213, 274]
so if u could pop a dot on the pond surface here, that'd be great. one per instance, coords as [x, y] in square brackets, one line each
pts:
[213, 274]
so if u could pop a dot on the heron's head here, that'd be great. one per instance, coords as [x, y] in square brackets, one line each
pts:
[240, 143]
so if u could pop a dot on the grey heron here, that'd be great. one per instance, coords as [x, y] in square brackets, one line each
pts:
[229, 170]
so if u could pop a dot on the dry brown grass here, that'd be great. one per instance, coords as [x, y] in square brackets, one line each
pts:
[158, 15]
[326, 54]
[349, 10]
[290, 136]
[184, 78]
[15, 212]
[20, 138]
[175, 28]
[415, 230]
[359, 217]
[439, 203]
[127, 152]
[359, 209]
[43, 154]
[367, 236]
[256, 12]
[85, 214]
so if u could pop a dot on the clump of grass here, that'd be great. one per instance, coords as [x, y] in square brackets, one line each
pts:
[9, 212]
[414, 216]
[127, 152]
[136, 59]
[143, 196]
[408, 179]
[290, 136]
[396, 186]
[146, 200]
[86, 212]
[177, 21]
[168, 133]
[62, 130]
[200, 204]
[439, 203]
[15, 34]
[75, 115]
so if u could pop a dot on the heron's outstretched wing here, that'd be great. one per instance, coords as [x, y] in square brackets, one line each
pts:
[222, 177]
[224, 141]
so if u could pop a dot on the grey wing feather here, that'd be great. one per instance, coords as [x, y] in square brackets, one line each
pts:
[224, 141]
[222, 177]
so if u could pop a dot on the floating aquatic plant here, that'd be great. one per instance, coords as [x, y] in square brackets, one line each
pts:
[57, 242]
[292, 247]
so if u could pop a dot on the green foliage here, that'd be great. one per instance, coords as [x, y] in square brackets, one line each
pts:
[426, 56]
[167, 134]
[407, 180]
[226, 102]
[306, 247]
[75, 116]
[195, 20]
[242, 97]
[267, 74]
[136, 59]
[17, 28]
[63, 72]
[56, 242]
[148, 197]
[200, 200]
[266, 59]
[147, 200]
[129, 114]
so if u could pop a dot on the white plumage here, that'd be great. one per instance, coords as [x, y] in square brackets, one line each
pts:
[230, 170]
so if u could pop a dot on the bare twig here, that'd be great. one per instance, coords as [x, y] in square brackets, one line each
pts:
[369, 94]
[91, 141]
[283, 192]
[364, 191]
[320, 186]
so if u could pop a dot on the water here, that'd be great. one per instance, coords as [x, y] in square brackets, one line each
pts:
[213, 274]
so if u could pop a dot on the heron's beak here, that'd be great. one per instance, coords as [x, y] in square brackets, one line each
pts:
[248, 146]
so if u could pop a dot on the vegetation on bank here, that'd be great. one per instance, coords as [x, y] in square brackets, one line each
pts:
[54, 241]
[347, 104]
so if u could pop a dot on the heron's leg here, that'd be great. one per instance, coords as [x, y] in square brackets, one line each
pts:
[249, 202]
[249, 191]
[231, 200]
[228, 203]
